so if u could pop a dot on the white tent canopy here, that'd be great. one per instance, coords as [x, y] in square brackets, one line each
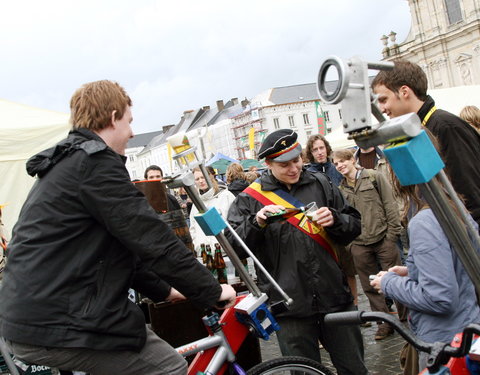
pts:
[338, 140]
[24, 131]
[453, 99]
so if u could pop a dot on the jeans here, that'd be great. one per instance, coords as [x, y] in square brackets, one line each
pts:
[156, 357]
[301, 336]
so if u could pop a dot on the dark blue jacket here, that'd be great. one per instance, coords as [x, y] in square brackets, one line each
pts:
[329, 169]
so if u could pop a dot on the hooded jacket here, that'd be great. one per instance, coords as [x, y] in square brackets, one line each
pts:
[237, 186]
[305, 270]
[85, 235]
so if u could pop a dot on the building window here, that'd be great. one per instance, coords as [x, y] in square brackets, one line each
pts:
[327, 116]
[276, 123]
[306, 120]
[291, 121]
[309, 133]
[454, 11]
[340, 113]
[131, 158]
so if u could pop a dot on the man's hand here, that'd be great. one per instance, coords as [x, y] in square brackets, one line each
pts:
[228, 295]
[377, 282]
[175, 296]
[399, 270]
[261, 218]
[324, 217]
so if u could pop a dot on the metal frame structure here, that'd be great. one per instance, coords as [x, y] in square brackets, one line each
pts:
[358, 106]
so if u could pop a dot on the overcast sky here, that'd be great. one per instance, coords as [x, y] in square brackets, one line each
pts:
[178, 55]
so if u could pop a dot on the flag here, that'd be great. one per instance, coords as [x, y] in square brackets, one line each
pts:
[251, 138]
[170, 159]
[320, 119]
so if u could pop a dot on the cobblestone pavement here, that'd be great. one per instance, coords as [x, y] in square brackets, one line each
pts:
[381, 357]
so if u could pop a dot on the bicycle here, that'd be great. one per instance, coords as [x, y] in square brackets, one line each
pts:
[215, 354]
[444, 358]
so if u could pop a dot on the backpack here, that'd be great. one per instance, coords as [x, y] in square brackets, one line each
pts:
[326, 185]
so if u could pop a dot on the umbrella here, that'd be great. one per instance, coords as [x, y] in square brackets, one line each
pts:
[221, 165]
[220, 162]
[247, 163]
[219, 156]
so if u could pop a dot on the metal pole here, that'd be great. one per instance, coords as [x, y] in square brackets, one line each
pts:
[288, 300]
[202, 146]
[378, 65]
[207, 180]
[375, 110]
[6, 357]
[454, 229]
[237, 263]
[472, 232]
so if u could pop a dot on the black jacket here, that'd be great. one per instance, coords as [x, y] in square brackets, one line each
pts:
[86, 235]
[460, 150]
[172, 203]
[237, 186]
[300, 265]
[329, 169]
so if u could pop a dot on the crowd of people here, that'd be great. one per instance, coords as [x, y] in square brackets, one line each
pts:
[85, 217]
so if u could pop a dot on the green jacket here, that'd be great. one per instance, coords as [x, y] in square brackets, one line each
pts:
[372, 196]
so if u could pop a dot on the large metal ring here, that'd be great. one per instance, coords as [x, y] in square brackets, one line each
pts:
[343, 80]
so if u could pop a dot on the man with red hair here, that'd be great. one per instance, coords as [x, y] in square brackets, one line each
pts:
[86, 235]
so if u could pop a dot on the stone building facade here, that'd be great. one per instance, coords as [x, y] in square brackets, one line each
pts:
[444, 39]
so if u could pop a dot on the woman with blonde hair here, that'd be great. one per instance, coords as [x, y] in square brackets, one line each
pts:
[471, 114]
[236, 179]
[251, 176]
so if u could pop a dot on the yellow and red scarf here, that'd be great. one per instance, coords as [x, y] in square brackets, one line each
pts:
[299, 221]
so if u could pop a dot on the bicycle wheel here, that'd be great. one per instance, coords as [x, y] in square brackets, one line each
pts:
[289, 365]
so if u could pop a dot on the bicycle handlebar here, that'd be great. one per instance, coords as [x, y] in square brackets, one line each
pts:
[344, 318]
[440, 352]
[359, 317]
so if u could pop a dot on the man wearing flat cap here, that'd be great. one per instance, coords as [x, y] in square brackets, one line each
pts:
[298, 252]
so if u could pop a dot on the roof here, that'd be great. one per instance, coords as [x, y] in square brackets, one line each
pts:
[141, 140]
[230, 110]
[300, 93]
[203, 118]
[160, 139]
[293, 94]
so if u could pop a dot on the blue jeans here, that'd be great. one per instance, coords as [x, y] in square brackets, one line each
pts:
[301, 336]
